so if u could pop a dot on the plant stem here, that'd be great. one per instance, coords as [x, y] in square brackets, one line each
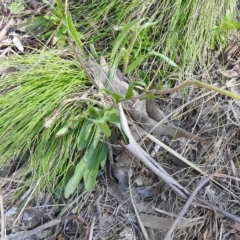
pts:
[185, 84]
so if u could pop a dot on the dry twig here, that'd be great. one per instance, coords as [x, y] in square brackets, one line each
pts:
[201, 183]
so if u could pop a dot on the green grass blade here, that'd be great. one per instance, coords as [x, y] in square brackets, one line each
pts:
[140, 59]
[163, 57]
[73, 32]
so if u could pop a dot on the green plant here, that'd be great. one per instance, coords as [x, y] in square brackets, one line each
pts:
[134, 35]
[49, 27]
[97, 124]
[219, 32]
[92, 139]
[35, 101]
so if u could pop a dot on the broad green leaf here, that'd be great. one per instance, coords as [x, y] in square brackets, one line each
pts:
[130, 89]
[16, 7]
[110, 111]
[94, 112]
[114, 119]
[90, 178]
[62, 131]
[74, 180]
[92, 153]
[86, 134]
[90, 157]
[102, 152]
[96, 155]
[91, 175]
[96, 121]
[112, 116]
[88, 168]
[121, 37]
[85, 176]
[60, 34]
[105, 129]
[73, 32]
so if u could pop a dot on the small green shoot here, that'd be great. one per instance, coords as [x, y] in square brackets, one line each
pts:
[49, 27]
[228, 23]
[63, 131]
[218, 32]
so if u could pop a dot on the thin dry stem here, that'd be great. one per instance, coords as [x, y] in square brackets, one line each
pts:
[201, 183]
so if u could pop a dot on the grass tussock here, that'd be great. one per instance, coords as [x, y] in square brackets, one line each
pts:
[40, 90]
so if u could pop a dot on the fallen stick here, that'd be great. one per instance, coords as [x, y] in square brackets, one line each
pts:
[201, 183]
